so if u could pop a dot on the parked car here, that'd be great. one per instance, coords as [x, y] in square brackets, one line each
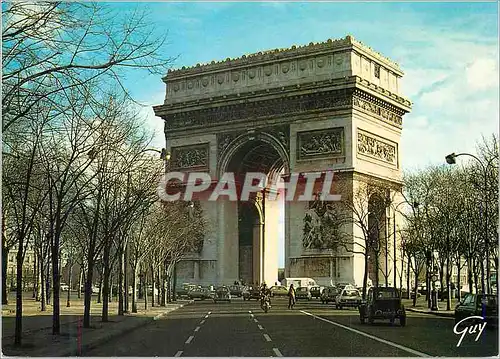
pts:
[316, 291]
[348, 297]
[183, 290]
[235, 290]
[279, 291]
[64, 287]
[472, 304]
[251, 292]
[198, 293]
[222, 294]
[329, 294]
[303, 293]
[382, 303]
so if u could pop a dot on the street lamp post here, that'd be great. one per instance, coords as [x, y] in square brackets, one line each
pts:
[451, 159]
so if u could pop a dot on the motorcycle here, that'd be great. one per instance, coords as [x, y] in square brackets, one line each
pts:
[265, 303]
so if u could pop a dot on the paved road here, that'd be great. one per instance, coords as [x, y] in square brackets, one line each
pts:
[312, 329]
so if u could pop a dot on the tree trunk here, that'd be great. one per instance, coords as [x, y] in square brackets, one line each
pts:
[80, 280]
[101, 275]
[120, 284]
[105, 293]
[153, 286]
[88, 290]
[442, 280]
[19, 294]
[48, 291]
[134, 288]
[38, 274]
[110, 287]
[448, 286]
[5, 259]
[474, 271]
[70, 280]
[408, 276]
[377, 269]
[365, 276]
[56, 285]
[125, 278]
[43, 299]
[415, 288]
[483, 286]
[459, 281]
[35, 262]
[145, 291]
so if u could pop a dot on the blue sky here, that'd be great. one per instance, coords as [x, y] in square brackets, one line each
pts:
[448, 51]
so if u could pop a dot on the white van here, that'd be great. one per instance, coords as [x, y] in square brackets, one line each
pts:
[300, 282]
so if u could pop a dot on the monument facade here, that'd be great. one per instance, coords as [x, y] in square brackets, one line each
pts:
[331, 106]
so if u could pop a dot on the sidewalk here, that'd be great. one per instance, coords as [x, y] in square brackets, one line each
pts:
[421, 307]
[73, 340]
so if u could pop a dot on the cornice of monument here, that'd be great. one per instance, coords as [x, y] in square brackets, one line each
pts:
[347, 43]
[354, 81]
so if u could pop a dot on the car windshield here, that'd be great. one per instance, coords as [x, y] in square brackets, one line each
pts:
[301, 289]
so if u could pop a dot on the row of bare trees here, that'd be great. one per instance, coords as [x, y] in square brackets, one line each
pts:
[449, 220]
[79, 177]
[455, 221]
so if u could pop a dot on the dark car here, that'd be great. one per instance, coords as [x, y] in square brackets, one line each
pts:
[199, 293]
[222, 294]
[382, 303]
[251, 292]
[316, 292]
[483, 305]
[236, 290]
[329, 294]
[303, 293]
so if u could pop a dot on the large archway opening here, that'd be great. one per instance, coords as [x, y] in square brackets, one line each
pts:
[261, 229]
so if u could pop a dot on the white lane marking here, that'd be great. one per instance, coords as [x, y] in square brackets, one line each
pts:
[268, 338]
[409, 350]
[196, 329]
[255, 320]
[206, 316]
[178, 354]
[252, 315]
[203, 321]
[209, 313]
[260, 327]
[189, 339]
[277, 352]
[250, 311]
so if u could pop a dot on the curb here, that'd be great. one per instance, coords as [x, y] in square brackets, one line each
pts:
[111, 336]
[437, 314]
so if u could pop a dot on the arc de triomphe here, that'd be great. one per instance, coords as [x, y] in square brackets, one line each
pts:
[331, 106]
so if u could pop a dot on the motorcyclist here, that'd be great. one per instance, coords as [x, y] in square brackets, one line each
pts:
[265, 291]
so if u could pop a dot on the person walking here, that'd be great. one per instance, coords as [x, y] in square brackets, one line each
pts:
[291, 297]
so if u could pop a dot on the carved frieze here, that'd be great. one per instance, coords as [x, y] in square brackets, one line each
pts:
[378, 110]
[373, 146]
[322, 143]
[289, 105]
[190, 157]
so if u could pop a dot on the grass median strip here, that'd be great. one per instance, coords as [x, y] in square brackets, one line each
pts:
[395, 345]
